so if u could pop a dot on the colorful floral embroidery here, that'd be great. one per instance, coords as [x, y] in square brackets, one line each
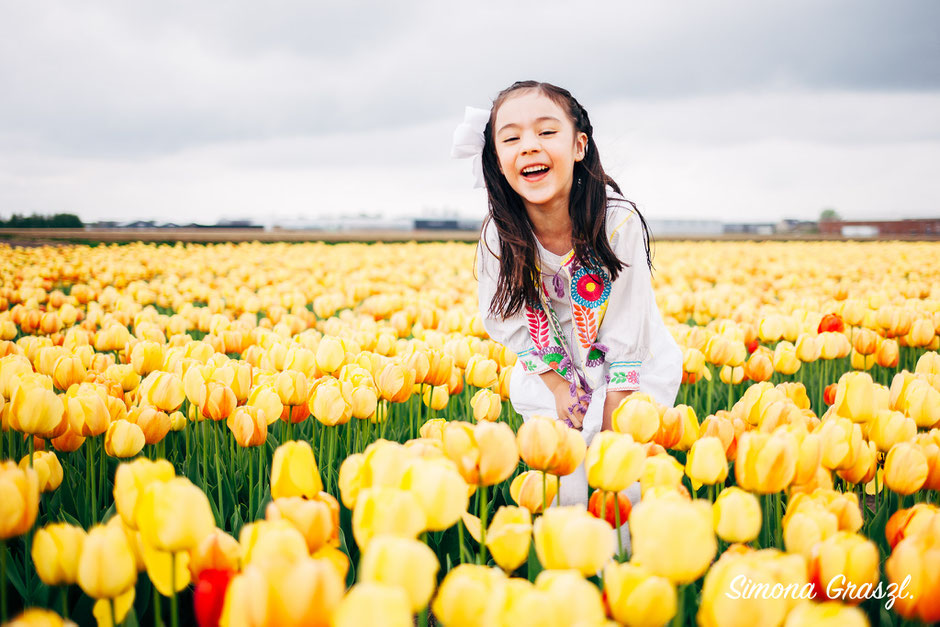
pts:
[595, 357]
[538, 325]
[625, 373]
[590, 287]
[585, 324]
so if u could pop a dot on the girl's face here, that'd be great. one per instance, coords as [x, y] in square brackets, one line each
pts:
[536, 148]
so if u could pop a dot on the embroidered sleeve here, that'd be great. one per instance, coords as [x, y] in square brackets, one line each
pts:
[527, 334]
[625, 330]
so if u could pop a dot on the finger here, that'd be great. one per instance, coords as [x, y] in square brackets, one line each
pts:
[576, 419]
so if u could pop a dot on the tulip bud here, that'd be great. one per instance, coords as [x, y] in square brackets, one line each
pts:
[638, 597]
[123, 439]
[369, 603]
[706, 463]
[386, 511]
[570, 538]
[163, 390]
[328, 402]
[759, 367]
[605, 505]
[155, 424]
[20, 490]
[808, 348]
[130, 481]
[37, 410]
[485, 454]
[217, 551]
[465, 594]
[47, 466]
[313, 519]
[906, 468]
[613, 461]
[785, 360]
[508, 537]
[846, 557]
[486, 405]
[440, 490]
[56, 550]
[481, 372]
[527, 490]
[637, 416]
[395, 383]
[673, 537]
[766, 463]
[174, 515]
[294, 471]
[249, 426]
[736, 515]
[106, 566]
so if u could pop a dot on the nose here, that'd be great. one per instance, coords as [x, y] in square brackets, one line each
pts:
[529, 143]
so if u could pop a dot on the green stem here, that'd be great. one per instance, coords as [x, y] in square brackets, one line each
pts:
[484, 505]
[218, 472]
[778, 527]
[460, 541]
[102, 477]
[174, 609]
[679, 618]
[32, 449]
[113, 614]
[251, 486]
[90, 479]
[604, 505]
[157, 608]
[205, 456]
[64, 601]
[3, 581]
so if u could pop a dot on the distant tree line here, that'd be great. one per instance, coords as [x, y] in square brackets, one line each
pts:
[36, 221]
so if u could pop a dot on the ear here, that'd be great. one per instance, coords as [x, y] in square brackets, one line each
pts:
[580, 145]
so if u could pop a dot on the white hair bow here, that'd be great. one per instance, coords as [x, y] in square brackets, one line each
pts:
[468, 140]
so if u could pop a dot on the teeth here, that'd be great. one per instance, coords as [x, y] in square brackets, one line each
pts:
[534, 168]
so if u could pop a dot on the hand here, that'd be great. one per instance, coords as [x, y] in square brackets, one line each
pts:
[569, 408]
[611, 402]
[561, 390]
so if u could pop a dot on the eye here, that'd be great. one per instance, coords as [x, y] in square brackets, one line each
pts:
[509, 139]
[548, 132]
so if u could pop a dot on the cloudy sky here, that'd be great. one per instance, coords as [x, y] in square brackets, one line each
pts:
[727, 109]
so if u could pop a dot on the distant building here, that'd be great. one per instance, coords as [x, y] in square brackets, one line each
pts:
[750, 228]
[873, 228]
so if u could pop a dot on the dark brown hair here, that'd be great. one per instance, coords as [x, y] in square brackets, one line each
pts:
[587, 206]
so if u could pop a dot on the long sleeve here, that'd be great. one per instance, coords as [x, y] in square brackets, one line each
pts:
[512, 332]
[626, 328]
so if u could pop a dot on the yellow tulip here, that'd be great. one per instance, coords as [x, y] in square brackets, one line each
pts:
[576, 600]
[368, 603]
[313, 519]
[387, 557]
[889, 427]
[807, 348]
[805, 526]
[673, 538]
[508, 537]
[47, 466]
[294, 471]
[486, 405]
[732, 595]
[439, 489]
[866, 464]
[916, 557]
[218, 551]
[638, 597]
[37, 410]
[123, 375]
[328, 402]
[55, 553]
[380, 511]
[433, 429]
[549, 445]
[849, 561]
[758, 367]
[826, 614]
[266, 399]
[249, 426]
[363, 401]
[570, 538]
[526, 490]
[68, 370]
[266, 542]
[785, 360]
[637, 417]
[481, 372]
[888, 354]
[690, 427]
[906, 468]
[395, 383]
[661, 470]
[855, 397]
[147, 356]
[613, 461]
[706, 463]
[302, 593]
[220, 401]
[88, 413]
[465, 593]
[736, 515]
[107, 567]
[155, 424]
[330, 354]
[123, 439]
[38, 617]
[922, 403]
[485, 454]
[163, 390]
[841, 440]
[168, 572]
[130, 481]
[174, 515]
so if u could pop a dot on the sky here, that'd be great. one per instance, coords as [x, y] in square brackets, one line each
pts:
[287, 111]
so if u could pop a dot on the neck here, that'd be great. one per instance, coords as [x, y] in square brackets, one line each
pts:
[551, 224]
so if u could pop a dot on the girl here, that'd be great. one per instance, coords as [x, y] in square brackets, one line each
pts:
[564, 269]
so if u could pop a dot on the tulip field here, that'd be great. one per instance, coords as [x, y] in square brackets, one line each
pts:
[314, 434]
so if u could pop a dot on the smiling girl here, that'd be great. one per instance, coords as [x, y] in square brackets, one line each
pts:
[564, 269]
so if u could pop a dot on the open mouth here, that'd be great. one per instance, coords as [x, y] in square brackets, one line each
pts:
[534, 172]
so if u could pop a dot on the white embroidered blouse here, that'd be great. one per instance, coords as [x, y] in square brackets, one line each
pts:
[602, 334]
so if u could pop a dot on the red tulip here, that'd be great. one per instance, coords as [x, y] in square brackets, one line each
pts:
[209, 596]
[831, 322]
[752, 345]
[594, 507]
[829, 394]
